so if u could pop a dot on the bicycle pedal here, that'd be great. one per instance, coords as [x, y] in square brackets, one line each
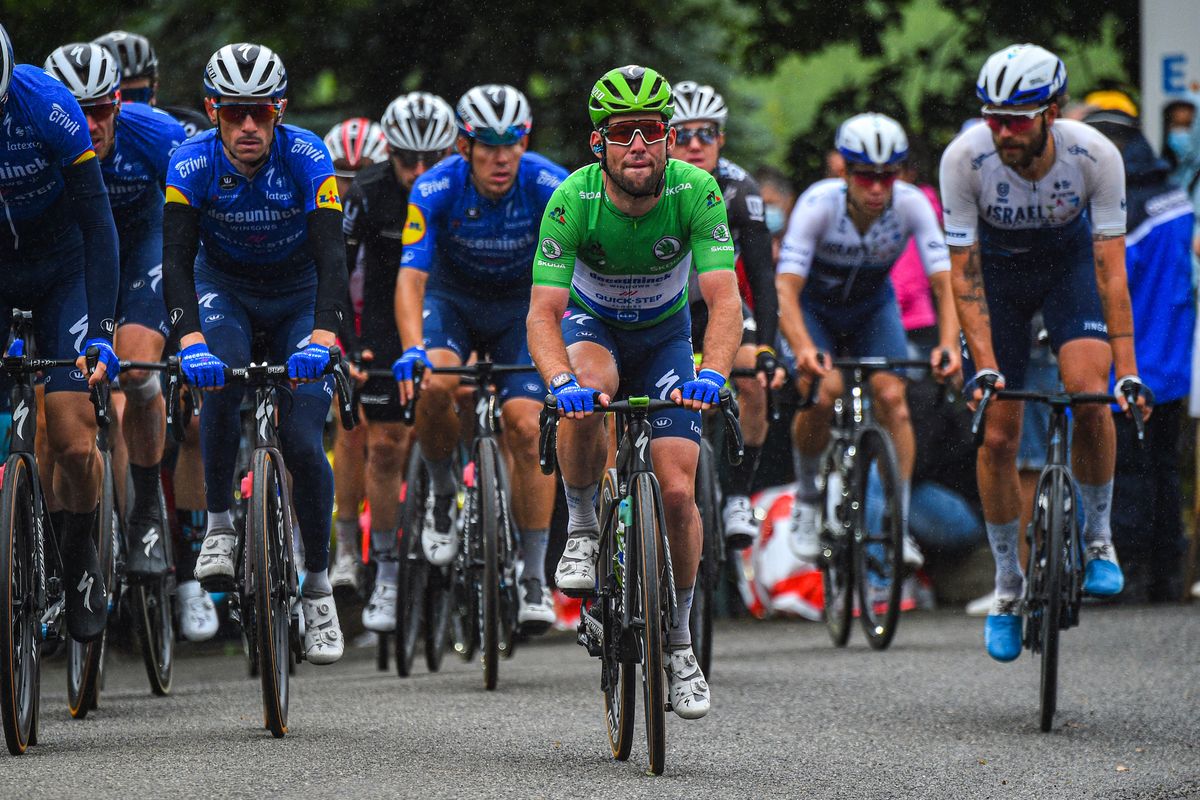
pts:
[218, 584]
[668, 707]
[579, 594]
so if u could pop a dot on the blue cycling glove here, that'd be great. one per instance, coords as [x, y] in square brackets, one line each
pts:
[573, 398]
[107, 357]
[402, 369]
[201, 367]
[16, 349]
[705, 387]
[308, 364]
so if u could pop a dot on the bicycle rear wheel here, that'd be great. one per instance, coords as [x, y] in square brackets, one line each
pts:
[487, 520]
[1046, 581]
[618, 661]
[155, 619]
[708, 502]
[647, 534]
[83, 658]
[878, 536]
[837, 549]
[19, 613]
[413, 573]
[267, 536]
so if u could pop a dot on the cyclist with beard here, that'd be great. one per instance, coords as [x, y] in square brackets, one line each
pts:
[1035, 220]
[609, 313]
[464, 286]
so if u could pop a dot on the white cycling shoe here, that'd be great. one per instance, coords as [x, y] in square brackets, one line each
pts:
[215, 561]
[912, 554]
[344, 573]
[380, 613]
[801, 530]
[576, 572]
[323, 640]
[197, 614]
[690, 696]
[536, 611]
[440, 541]
[740, 527]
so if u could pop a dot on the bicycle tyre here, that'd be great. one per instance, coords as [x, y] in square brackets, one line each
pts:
[19, 646]
[707, 501]
[836, 559]
[1054, 542]
[647, 533]
[438, 602]
[266, 537]
[413, 570]
[878, 555]
[154, 616]
[619, 671]
[464, 630]
[84, 658]
[383, 648]
[509, 591]
[488, 578]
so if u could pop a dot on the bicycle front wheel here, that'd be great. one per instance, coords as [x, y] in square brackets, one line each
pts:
[84, 658]
[155, 619]
[19, 614]
[414, 569]
[1047, 583]
[651, 582]
[487, 523]
[837, 550]
[618, 666]
[267, 536]
[878, 536]
[438, 605]
[708, 502]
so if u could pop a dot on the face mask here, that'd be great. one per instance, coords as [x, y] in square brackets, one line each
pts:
[774, 219]
[1180, 141]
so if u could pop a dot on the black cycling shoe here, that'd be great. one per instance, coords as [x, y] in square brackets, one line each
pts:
[146, 559]
[86, 594]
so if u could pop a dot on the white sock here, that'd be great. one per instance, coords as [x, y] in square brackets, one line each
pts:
[388, 573]
[533, 553]
[581, 508]
[1003, 538]
[1097, 513]
[316, 584]
[347, 537]
[680, 635]
[218, 520]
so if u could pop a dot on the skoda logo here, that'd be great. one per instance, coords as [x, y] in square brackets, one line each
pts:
[551, 248]
[667, 248]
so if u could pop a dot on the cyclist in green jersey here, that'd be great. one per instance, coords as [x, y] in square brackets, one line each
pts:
[609, 314]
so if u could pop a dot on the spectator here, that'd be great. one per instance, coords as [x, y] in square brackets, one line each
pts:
[1147, 496]
[778, 196]
[1178, 123]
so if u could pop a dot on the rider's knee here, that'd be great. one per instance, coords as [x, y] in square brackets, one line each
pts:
[892, 405]
[383, 452]
[139, 386]
[521, 436]
[1000, 444]
[678, 496]
[437, 394]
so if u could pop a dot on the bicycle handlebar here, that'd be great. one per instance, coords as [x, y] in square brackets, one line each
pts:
[871, 364]
[1061, 399]
[255, 374]
[476, 373]
[750, 372]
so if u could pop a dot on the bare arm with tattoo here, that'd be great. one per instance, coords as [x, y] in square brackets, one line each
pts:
[966, 281]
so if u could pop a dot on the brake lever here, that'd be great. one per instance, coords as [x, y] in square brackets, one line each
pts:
[341, 382]
[548, 435]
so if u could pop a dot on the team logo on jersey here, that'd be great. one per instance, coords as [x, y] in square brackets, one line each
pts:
[559, 215]
[227, 182]
[414, 226]
[713, 198]
[721, 233]
[327, 195]
[1002, 189]
[667, 248]
[474, 213]
[550, 248]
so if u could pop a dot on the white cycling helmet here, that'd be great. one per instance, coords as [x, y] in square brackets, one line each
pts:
[245, 70]
[355, 142]
[134, 53]
[494, 114]
[1021, 74]
[90, 71]
[420, 122]
[696, 101]
[872, 139]
[6, 63]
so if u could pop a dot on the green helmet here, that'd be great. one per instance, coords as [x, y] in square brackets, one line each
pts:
[629, 89]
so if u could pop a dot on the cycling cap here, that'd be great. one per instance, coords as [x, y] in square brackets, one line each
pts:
[6, 63]
[245, 70]
[629, 89]
[1021, 74]
[134, 53]
[696, 101]
[353, 144]
[90, 71]
[494, 114]
[420, 121]
[872, 139]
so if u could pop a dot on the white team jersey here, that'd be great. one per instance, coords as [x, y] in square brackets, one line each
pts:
[978, 187]
[823, 245]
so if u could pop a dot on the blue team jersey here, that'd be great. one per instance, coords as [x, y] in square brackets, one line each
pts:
[135, 170]
[470, 244]
[261, 220]
[42, 131]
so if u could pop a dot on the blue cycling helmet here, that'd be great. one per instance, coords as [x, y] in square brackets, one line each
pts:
[1021, 74]
[872, 139]
[6, 63]
[494, 114]
[245, 70]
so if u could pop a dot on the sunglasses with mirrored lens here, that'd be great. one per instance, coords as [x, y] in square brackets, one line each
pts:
[652, 131]
[708, 135]
[100, 111]
[234, 113]
[410, 158]
[1016, 121]
[868, 178]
